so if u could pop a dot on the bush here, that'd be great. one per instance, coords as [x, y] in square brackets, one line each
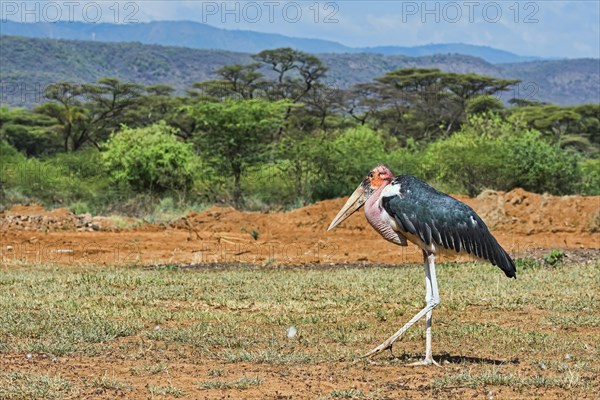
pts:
[467, 162]
[150, 159]
[83, 163]
[347, 159]
[484, 104]
[488, 153]
[29, 132]
[269, 185]
[554, 258]
[341, 162]
[320, 167]
[538, 166]
[55, 181]
[407, 160]
[590, 177]
[8, 152]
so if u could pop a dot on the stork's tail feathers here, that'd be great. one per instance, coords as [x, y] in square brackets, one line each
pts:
[500, 258]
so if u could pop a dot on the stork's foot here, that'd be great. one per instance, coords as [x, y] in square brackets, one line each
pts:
[426, 361]
[387, 345]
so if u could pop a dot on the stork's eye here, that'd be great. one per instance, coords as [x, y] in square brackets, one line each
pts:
[370, 175]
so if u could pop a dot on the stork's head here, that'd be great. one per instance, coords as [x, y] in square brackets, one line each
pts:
[377, 178]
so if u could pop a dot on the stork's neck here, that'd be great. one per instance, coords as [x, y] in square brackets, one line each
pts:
[372, 205]
[373, 212]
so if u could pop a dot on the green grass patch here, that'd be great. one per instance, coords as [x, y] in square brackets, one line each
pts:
[347, 394]
[496, 377]
[165, 391]
[546, 319]
[22, 385]
[148, 370]
[106, 382]
[240, 383]
[270, 357]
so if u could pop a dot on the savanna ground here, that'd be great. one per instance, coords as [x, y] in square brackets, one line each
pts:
[138, 333]
[143, 311]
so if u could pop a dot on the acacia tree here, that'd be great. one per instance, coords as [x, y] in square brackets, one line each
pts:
[296, 72]
[293, 74]
[235, 134]
[241, 79]
[420, 103]
[236, 80]
[466, 87]
[29, 132]
[278, 74]
[88, 112]
[160, 104]
[575, 127]
[66, 108]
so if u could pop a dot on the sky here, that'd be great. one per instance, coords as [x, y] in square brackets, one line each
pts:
[545, 28]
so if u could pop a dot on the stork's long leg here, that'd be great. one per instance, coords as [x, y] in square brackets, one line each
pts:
[432, 298]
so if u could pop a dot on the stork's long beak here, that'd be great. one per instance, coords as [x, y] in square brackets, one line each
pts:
[354, 203]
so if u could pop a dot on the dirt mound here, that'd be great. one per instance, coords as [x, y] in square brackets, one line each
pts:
[521, 221]
[517, 212]
[36, 218]
[527, 213]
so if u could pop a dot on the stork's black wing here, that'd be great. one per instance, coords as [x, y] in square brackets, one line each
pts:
[433, 216]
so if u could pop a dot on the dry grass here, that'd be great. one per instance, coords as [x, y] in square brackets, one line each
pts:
[173, 333]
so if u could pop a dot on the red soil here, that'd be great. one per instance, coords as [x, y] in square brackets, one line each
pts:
[521, 222]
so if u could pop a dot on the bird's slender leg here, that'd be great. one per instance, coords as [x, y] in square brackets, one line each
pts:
[432, 298]
[428, 300]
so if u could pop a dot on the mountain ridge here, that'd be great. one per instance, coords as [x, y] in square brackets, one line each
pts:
[203, 36]
[30, 62]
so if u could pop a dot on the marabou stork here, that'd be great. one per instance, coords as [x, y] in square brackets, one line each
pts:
[405, 208]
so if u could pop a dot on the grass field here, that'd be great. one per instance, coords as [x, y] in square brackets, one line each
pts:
[135, 333]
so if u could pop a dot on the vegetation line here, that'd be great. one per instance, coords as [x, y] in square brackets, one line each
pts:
[271, 134]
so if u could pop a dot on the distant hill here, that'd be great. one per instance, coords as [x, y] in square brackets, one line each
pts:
[202, 36]
[27, 64]
[489, 54]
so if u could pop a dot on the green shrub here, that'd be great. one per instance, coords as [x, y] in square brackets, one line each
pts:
[79, 207]
[349, 157]
[407, 160]
[488, 153]
[8, 152]
[29, 132]
[269, 185]
[483, 104]
[150, 159]
[467, 162]
[86, 163]
[50, 182]
[538, 166]
[554, 258]
[590, 177]
[333, 166]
